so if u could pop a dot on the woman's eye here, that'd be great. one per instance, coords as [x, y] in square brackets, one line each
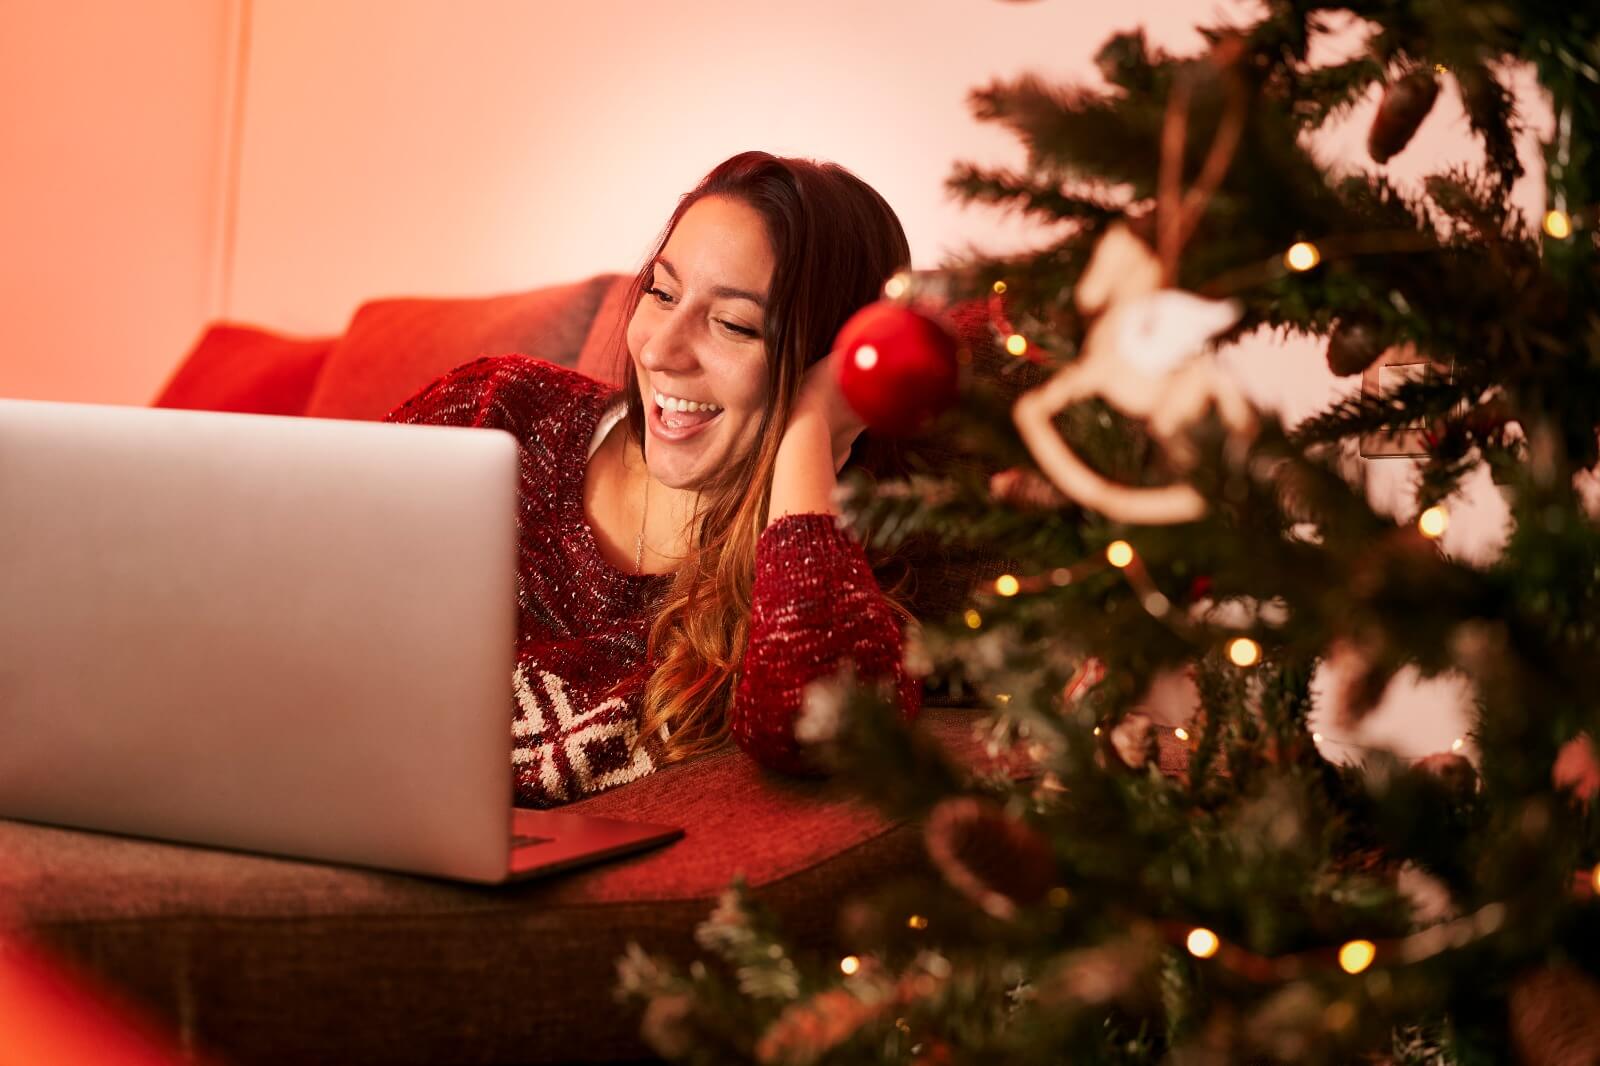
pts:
[742, 331]
[660, 296]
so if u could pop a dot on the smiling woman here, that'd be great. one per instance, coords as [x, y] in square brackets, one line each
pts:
[684, 575]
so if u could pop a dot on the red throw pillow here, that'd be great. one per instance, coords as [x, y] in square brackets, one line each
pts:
[240, 368]
[395, 348]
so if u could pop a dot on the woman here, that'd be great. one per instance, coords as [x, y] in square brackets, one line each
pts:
[683, 575]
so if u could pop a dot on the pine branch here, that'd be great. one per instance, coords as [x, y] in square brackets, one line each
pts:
[1431, 396]
[1324, 93]
[1491, 113]
[1007, 189]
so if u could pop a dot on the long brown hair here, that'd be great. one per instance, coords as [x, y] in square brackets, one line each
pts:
[835, 241]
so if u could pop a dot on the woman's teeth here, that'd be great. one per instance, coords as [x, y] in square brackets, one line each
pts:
[673, 403]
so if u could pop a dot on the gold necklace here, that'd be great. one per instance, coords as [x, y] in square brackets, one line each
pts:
[638, 551]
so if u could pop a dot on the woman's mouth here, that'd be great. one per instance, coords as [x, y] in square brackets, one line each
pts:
[670, 419]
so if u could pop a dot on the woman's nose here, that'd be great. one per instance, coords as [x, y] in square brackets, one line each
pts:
[669, 347]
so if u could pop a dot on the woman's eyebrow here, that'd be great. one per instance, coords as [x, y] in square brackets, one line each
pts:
[719, 290]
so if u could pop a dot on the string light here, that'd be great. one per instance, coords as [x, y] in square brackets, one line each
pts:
[999, 288]
[1181, 733]
[916, 921]
[1059, 897]
[866, 357]
[1202, 943]
[1017, 344]
[849, 965]
[1302, 255]
[1433, 522]
[1119, 553]
[1458, 743]
[1242, 651]
[1316, 738]
[1357, 955]
[896, 286]
[1558, 224]
[973, 619]
[1097, 733]
[1595, 877]
[1007, 585]
[1439, 68]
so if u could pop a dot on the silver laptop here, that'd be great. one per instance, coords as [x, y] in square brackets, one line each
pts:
[275, 634]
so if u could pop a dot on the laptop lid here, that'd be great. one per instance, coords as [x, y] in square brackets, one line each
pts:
[278, 634]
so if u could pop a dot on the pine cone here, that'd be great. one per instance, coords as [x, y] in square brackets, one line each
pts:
[1455, 772]
[1555, 1017]
[807, 1030]
[995, 860]
[1353, 345]
[1405, 104]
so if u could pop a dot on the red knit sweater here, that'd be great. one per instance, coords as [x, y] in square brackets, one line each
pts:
[584, 623]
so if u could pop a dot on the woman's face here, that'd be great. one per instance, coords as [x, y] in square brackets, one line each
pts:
[696, 339]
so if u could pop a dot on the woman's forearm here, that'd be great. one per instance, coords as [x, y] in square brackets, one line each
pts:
[803, 479]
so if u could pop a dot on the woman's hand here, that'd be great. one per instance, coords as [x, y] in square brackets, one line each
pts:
[819, 399]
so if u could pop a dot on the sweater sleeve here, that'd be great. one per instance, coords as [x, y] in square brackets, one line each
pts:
[815, 605]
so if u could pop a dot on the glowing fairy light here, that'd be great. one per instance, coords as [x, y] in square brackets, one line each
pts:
[1242, 651]
[896, 286]
[916, 921]
[1119, 553]
[1433, 522]
[1558, 224]
[1181, 733]
[1302, 255]
[1357, 955]
[1007, 585]
[1316, 738]
[866, 357]
[1202, 943]
[973, 619]
[1458, 743]
[849, 965]
[1595, 877]
[1017, 344]
[999, 288]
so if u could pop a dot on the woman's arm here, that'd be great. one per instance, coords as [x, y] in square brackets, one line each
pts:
[803, 478]
[815, 601]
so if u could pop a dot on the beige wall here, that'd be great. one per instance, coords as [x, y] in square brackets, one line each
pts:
[497, 144]
[111, 117]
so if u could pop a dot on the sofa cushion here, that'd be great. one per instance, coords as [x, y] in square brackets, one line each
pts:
[241, 368]
[395, 347]
[272, 960]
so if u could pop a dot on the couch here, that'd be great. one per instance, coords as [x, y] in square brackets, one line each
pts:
[248, 958]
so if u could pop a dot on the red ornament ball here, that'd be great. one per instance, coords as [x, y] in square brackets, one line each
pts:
[898, 368]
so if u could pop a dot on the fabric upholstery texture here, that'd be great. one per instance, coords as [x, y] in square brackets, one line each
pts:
[393, 348]
[241, 368]
[259, 959]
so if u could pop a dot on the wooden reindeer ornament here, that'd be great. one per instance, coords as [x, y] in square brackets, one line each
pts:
[1142, 354]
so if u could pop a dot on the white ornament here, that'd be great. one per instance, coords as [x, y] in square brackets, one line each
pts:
[1143, 357]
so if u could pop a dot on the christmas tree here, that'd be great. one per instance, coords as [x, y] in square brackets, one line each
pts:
[1221, 892]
